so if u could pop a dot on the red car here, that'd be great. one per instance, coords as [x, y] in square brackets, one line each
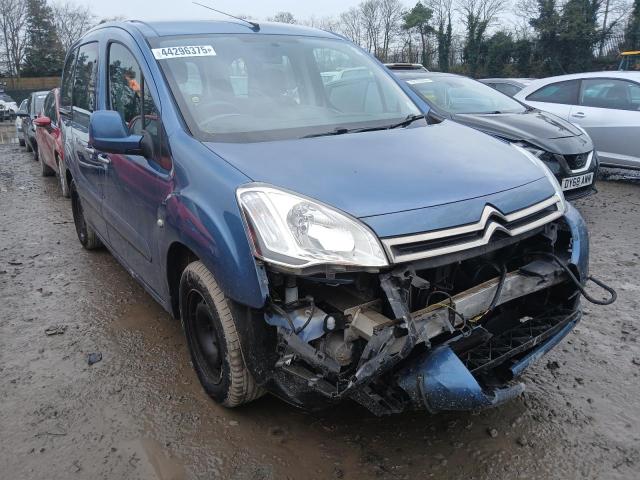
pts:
[50, 151]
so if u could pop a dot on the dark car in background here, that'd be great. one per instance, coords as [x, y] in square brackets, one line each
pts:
[566, 149]
[35, 103]
[49, 140]
[406, 67]
[508, 86]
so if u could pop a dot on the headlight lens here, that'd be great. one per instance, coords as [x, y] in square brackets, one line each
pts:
[552, 178]
[296, 232]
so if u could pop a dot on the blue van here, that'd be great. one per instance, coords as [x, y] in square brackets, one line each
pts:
[319, 236]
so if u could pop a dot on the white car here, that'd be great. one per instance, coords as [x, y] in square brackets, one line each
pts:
[8, 107]
[605, 104]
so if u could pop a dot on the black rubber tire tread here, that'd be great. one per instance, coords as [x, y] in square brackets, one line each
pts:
[240, 388]
[91, 240]
[27, 145]
[21, 142]
[64, 186]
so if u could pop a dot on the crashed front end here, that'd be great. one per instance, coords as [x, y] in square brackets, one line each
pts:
[449, 324]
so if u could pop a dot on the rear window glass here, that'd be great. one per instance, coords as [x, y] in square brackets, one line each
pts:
[559, 92]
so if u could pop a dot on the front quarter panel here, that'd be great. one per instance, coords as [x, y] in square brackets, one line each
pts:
[203, 214]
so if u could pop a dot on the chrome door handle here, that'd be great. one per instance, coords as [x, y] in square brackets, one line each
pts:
[103, 158]
[578, 115]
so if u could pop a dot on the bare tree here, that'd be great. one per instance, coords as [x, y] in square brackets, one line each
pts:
[71, 21]
[351, 25]
[13, 23]
[283, 17]
[391, 17]
[485, 11]
[371, 13]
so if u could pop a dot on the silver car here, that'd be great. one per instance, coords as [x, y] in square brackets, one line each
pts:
[605, 104]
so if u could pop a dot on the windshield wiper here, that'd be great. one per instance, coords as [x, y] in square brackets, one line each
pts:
[335, 131]
[404, 123]
[342, 130]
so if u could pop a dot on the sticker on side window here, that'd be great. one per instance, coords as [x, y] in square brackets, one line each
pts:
[181, 52]
[419, 80]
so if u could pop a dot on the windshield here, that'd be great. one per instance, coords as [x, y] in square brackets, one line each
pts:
[462, 95]
[247, 88]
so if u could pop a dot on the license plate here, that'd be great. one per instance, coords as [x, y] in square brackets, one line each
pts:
[577, 182]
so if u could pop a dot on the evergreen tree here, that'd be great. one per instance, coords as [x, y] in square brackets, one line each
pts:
[474, 48]
[546, 25]
[578, 35]
[418, 19]
[44, 55]
[444, 44]
[632, 32]
[500, 49]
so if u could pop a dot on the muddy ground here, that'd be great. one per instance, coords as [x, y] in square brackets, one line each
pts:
[140, 412]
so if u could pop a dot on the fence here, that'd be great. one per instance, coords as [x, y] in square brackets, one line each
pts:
[20, 88]
[30, 83]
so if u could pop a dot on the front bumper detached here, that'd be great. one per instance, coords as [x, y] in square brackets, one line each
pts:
[408, 345]
[441, 381]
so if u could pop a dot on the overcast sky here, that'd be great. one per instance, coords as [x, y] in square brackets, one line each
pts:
[184, 9]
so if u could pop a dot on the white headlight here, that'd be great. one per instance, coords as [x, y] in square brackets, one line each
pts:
[552, 178]
[296, 232]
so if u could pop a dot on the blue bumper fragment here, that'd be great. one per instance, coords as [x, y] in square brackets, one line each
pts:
[439, 381]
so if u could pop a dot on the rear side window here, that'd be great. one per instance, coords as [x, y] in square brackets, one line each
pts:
[559, 92]
[610, 93]
[67, 82]
[50, 107]
[84, 84]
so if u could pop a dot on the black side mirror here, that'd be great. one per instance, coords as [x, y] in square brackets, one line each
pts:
[109, 134]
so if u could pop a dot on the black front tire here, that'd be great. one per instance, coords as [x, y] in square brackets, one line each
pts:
[213, 340]
[21, 142]
[27, 145]
[64, 185]
[87, 235]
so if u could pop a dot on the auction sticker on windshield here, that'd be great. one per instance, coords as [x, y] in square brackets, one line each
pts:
[577, 182]
[186, 51]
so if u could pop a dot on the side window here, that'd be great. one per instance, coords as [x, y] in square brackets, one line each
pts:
[67, 81]
[50, 107]
[610, 93]
[84, 84]
[560, 92]
[125, 83]
[129, 97]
